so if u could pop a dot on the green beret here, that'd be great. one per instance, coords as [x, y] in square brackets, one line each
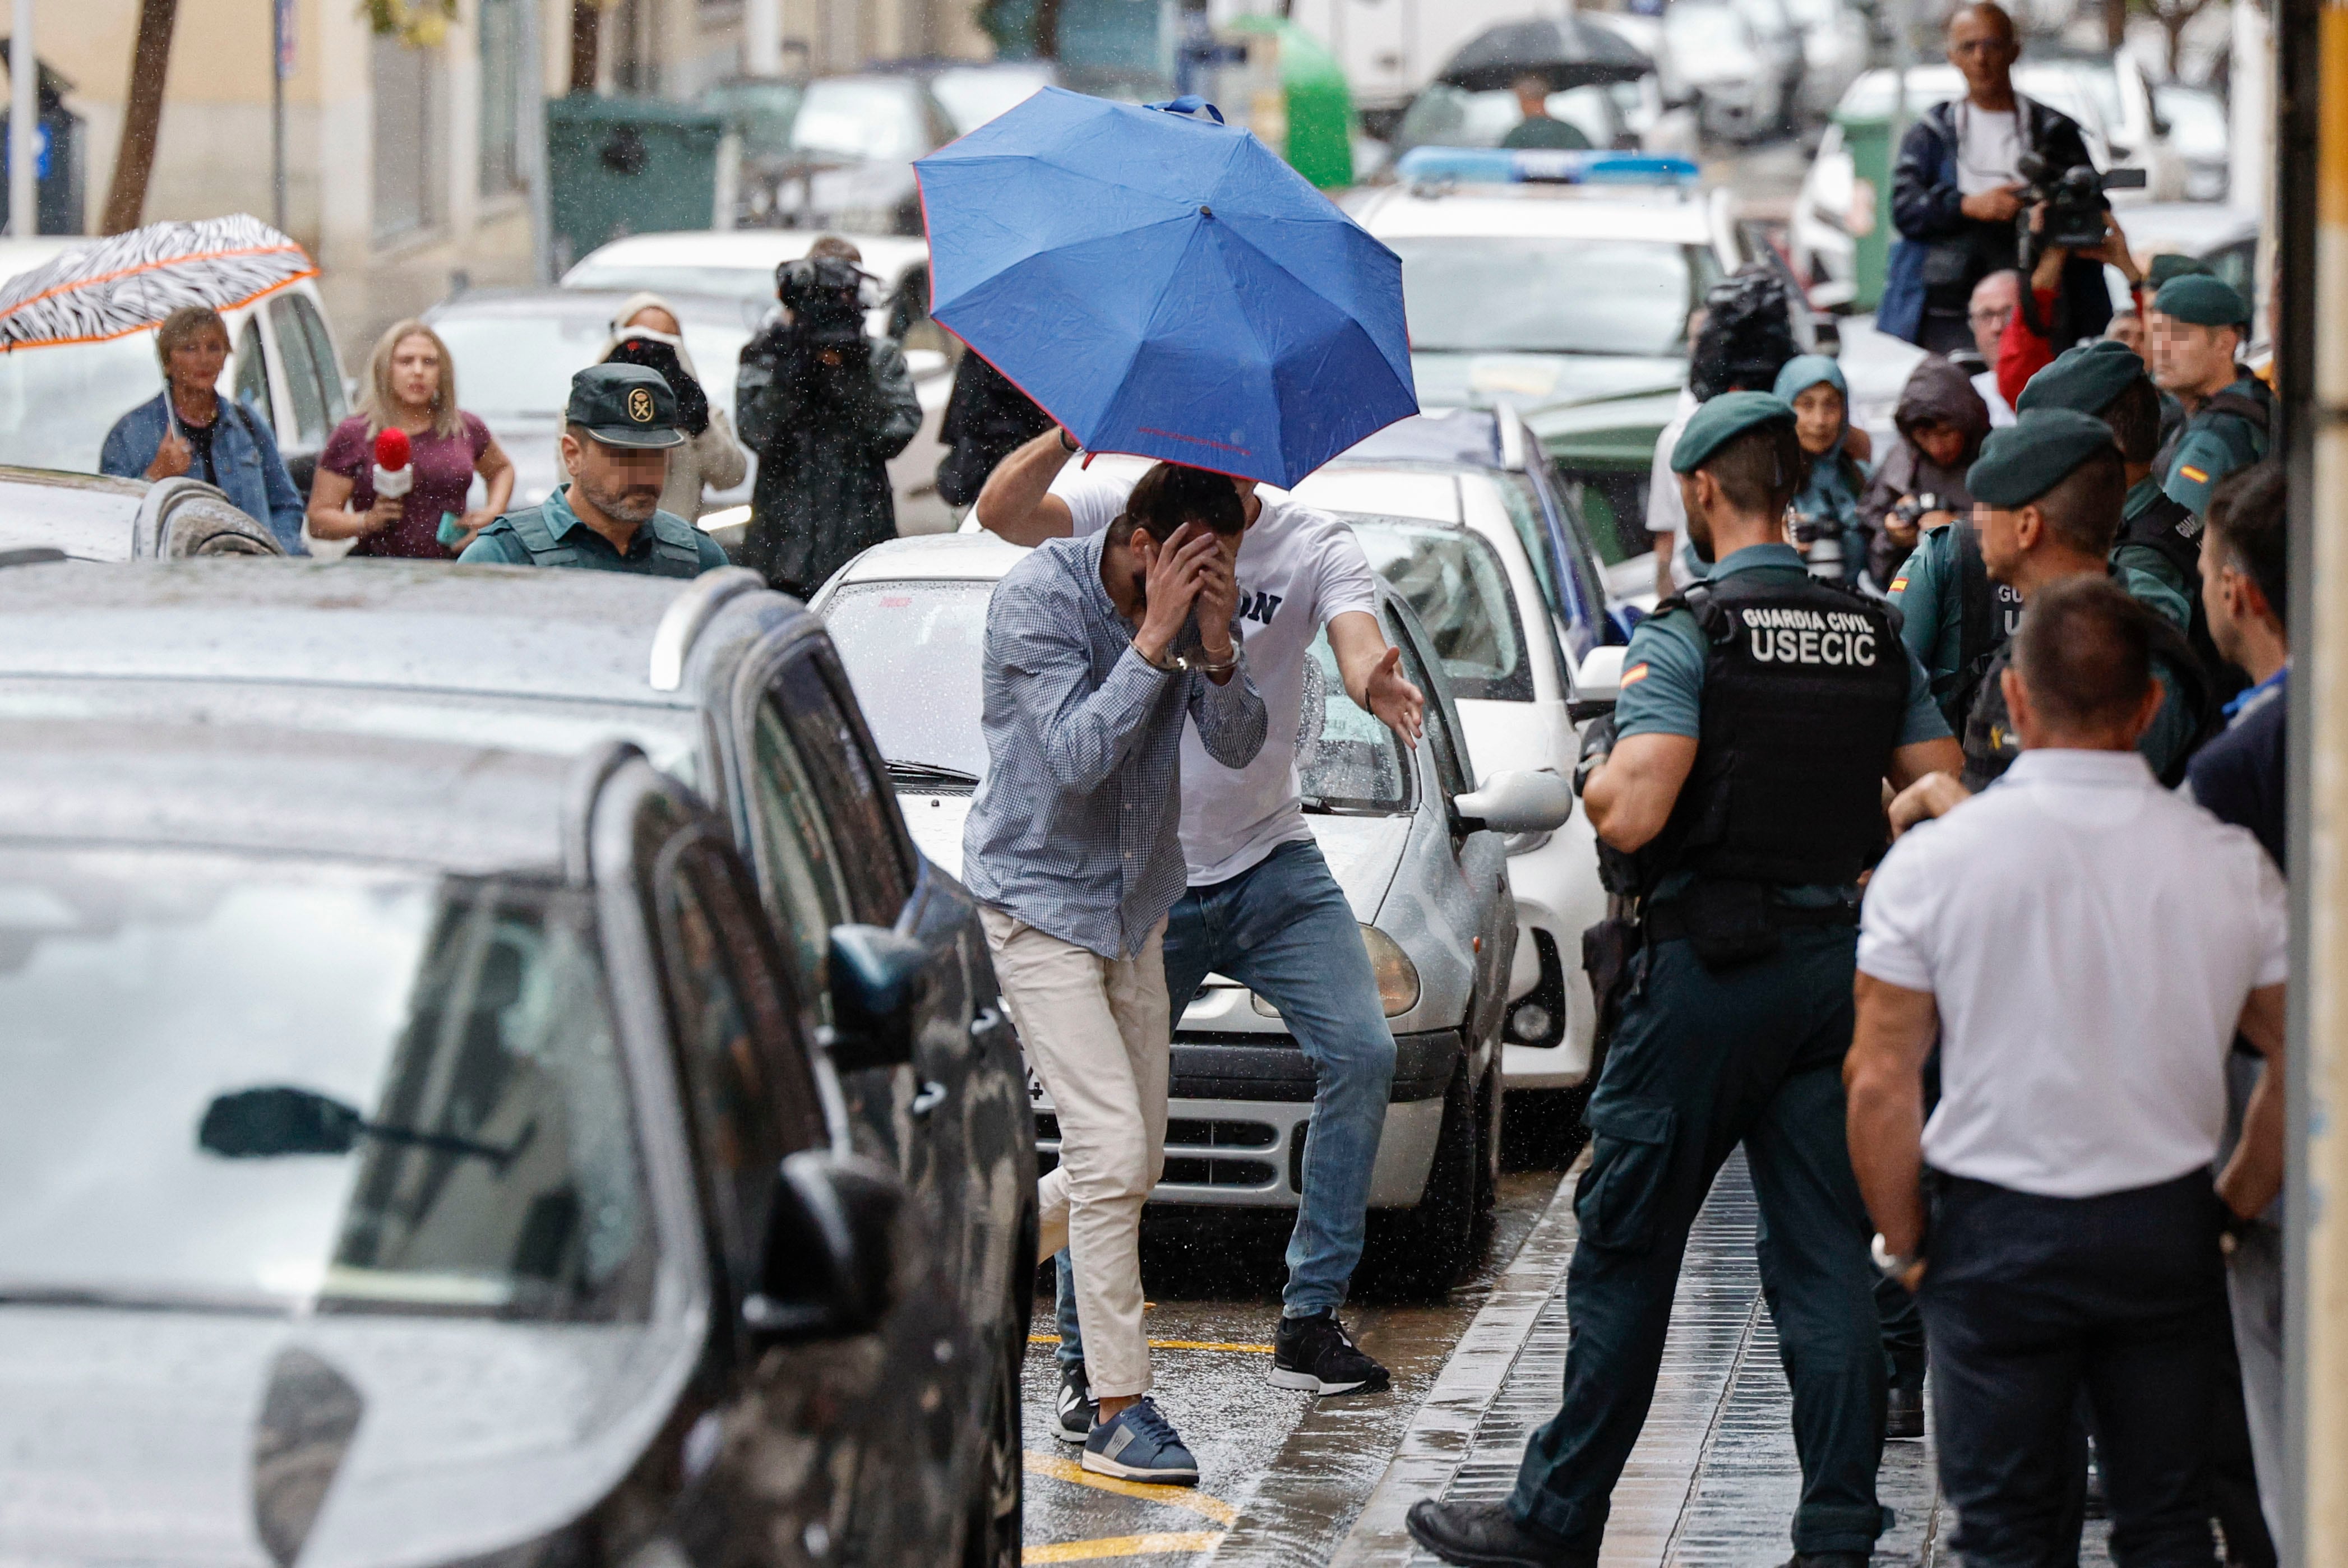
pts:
[2086, 377]
[2034, 454]
[2173, 264]
[1721, 421]
[2202, 300]
[625, 406]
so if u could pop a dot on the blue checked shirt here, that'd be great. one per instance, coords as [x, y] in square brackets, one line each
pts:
[1075, 829]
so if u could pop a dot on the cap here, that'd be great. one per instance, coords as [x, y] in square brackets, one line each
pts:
[625, 406]
[2172, 265]
[2035, 453]
[2088, 378]
[2202, 300]
[1721, 421]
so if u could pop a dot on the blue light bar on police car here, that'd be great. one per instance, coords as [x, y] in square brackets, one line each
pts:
[1515, 166]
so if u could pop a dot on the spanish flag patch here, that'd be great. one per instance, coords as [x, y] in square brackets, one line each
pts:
[1900, 584]
[1635, 675]
[2190, 472]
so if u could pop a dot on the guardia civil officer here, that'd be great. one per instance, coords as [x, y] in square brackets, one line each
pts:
[2193, 334]
[1761, 712]
[2046, 503]
[618, 431]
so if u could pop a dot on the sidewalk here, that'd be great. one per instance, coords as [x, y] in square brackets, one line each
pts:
[1713, 1479]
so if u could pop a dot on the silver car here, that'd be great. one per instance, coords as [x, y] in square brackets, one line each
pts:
[46, 514]
[1420, 851]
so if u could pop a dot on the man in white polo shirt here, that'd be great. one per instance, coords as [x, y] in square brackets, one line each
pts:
[2084, 945]
[1261, 906]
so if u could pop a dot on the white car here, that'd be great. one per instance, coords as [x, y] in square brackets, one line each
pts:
[739, 264]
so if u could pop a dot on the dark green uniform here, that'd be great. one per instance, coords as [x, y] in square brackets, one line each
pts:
[2227, 432]
[551, 535]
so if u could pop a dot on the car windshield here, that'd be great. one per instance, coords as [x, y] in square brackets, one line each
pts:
[972, 94]
[859, 118]
[56, 404]
[1445, 115]
[913, 651]
[1512, 295]
[1456, 584]
[517, 362]
[270, 1085]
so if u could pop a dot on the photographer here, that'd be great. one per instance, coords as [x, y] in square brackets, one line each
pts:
[2022, 349]
[646, 330]
[1921, 483]
[1959, 189]
[825, 408]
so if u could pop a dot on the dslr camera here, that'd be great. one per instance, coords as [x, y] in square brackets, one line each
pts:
[2074, 200]
[825, 295]
[1910, 509]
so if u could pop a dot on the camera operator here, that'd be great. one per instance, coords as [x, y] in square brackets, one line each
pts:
[825, 408]
[1960, 187]
[1920, 486]
[2022, 348]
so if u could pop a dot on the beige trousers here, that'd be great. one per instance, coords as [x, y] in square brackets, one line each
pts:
[1097, 1032]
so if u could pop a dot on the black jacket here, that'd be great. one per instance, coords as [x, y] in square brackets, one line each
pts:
[1945, 253]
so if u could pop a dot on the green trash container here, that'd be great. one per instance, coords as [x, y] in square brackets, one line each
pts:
[620, 166]
[1868, 139]
[1319, 143]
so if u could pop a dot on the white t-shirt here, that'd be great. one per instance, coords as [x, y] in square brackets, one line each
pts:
[2001, 412]
[1298, 570]
[1989, 147]
[2090, 939]
[1666, 512]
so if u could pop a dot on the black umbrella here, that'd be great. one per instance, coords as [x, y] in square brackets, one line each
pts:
[1566, 51]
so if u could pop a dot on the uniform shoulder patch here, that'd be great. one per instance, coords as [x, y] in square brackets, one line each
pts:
[2198, 476]
[1634, 676]
[1899, 584]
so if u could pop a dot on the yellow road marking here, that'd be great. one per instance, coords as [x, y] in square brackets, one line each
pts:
[1172, 1345]
[1185, 1542]
[1182, 1497]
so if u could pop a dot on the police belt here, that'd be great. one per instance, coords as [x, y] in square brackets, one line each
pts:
[1669, 923]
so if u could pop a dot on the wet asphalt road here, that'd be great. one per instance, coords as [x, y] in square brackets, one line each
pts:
[1281, 1475]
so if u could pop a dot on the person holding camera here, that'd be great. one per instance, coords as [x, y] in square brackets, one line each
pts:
[1920, 486]
[825, 408]
[646, 330]
[1825, 510]
[1960, 190]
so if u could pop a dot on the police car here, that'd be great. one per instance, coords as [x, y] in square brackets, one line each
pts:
[1562, 284]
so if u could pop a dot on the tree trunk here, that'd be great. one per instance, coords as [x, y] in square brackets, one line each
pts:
[142, 116]
[586, 42]
[1047, 29]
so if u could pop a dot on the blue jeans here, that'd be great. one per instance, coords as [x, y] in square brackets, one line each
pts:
[1284, 929]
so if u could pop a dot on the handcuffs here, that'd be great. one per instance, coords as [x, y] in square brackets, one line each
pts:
[1177, 664]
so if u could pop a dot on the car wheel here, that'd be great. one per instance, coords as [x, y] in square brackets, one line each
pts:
[997, 1522]
[1424, 1250]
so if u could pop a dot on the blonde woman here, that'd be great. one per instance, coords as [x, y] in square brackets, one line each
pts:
[412, 388]
[645, 332]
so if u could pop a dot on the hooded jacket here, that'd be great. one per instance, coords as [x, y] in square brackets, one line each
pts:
[1831, 492]
[1937, 393]
[711, 460]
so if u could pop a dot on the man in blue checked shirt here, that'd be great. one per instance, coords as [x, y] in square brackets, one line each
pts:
[1097, 651]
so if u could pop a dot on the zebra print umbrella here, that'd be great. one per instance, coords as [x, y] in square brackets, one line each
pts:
[131, 281]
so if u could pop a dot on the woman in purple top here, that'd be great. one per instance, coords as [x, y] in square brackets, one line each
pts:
[412, 388]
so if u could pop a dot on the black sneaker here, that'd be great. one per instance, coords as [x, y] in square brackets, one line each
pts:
[1903, 1413]
[1484, 1535]
[1076, 1408]
[1827, 1560]
[1313, 1353]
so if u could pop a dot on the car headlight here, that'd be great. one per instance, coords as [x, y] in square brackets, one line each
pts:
[1398, 976]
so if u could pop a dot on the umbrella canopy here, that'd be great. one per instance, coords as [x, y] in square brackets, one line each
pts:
[1165, 285]
[1566, 51]
[131, 281]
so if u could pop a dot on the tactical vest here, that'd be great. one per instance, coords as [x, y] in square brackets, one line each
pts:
[1805, 692]
[675, 551]
[2164, 526]
[1991, 744]
[1987, 613]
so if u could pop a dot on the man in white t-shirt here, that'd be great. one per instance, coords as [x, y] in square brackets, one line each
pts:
[2083, 944]
[1262, 906]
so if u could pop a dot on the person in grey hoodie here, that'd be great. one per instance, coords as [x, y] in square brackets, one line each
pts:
[1941, 422]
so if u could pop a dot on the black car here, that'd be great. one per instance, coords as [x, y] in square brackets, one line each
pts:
[478, 732]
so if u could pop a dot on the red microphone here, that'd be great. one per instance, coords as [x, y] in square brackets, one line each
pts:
[393, 475]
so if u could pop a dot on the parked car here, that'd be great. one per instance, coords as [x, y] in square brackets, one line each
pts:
[740, 264]
[1835, 50]
[847, 162]
[2199, 134]
[973, 92]
[92, 517]
[56, 404]
[1739, 67]
[899, 1445]
[1418, 847]
[1446, 116]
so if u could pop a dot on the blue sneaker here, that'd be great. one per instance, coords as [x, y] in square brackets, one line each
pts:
[1140, 1444]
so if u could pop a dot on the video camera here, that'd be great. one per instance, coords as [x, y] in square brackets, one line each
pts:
[825, 295]
[2074, 204]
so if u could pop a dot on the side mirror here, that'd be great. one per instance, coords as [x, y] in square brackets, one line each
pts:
[1598, 684]
[876, 978]
[1518, 801]
[831, 1251]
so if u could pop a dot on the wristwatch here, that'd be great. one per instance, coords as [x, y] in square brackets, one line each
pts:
[1890, 1265]
[1066, 445]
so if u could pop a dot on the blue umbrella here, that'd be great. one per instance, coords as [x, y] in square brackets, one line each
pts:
[1163, 284]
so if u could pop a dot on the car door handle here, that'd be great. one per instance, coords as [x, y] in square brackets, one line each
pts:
[986, 1025]
[931, 1096]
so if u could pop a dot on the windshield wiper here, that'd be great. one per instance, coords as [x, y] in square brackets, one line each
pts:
[904, 772]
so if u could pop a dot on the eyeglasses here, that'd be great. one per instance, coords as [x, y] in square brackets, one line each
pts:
[2000, 314]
